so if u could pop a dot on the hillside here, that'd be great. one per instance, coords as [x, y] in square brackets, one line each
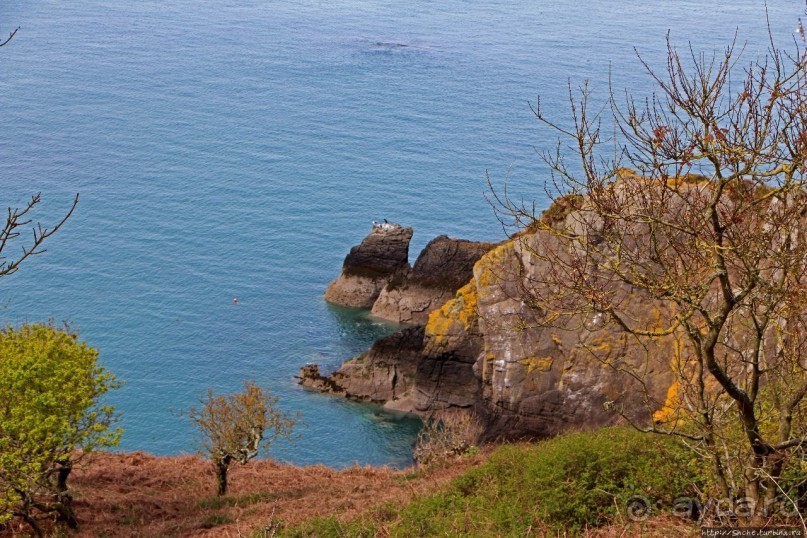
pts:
[138, 495]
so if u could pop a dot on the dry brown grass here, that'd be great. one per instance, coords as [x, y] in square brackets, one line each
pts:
[140, 495]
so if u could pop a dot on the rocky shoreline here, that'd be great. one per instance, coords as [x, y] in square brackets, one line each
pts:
[475, 344]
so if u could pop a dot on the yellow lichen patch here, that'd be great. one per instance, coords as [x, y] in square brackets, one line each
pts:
[470, 300]
[540, 364]
[461, 310]
[627, 173]
[672, 413]
[491, 267]
[671, 410]
[599, 346]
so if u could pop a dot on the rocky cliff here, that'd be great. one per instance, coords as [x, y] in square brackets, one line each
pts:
[376, 274]
[441, 269]
[369, 266]
[489, 349]
[540, 376]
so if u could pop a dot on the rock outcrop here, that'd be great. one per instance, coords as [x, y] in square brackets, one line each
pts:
[445, 376]
[489, 349]
[441, 269]
[384, 375]
[369, 266]
[540, 378]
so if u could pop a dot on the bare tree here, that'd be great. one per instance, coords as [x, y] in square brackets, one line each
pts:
[18, 218]
[696, 199]
[236, 427]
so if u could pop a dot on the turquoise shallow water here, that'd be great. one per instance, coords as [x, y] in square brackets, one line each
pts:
[239, 148]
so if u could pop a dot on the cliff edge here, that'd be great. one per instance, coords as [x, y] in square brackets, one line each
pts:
[486, 348]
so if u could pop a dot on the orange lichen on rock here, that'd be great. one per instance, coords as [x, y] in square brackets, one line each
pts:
[670, 412]
[456, 315]
[539, 364]
[490, 268]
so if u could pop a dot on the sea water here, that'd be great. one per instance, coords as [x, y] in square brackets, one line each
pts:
[240, 148]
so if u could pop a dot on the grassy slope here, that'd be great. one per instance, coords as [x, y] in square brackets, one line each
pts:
[566, 486]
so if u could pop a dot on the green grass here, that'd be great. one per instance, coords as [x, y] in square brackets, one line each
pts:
[562, 485]
[214, 520]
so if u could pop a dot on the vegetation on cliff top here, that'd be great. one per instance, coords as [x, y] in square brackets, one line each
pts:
[236, 427]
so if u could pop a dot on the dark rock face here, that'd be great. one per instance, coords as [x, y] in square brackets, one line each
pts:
[370, 265]
[383, 375]
[540, 379]
[445, 376]
[442, 268]
[447, 263]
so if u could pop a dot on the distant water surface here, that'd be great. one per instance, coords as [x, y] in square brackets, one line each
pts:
[239, 148]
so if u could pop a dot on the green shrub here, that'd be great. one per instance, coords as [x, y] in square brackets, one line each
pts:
[51, 414]
[566, 484]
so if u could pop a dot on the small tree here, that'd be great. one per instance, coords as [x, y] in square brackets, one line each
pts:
[236, 427]
[50, 416]
[710, 228]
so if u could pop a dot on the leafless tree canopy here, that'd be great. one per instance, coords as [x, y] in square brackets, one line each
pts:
[696, 198]
[18, 220]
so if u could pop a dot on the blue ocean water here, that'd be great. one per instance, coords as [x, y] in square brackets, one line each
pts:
[239, 148]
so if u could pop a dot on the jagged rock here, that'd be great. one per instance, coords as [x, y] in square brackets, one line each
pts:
[311, 378]
[442, 267]
[445, 376]
[383, 375]
[369, 266]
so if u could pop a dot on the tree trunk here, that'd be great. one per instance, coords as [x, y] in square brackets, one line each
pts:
[221, 477]
[64, 500]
